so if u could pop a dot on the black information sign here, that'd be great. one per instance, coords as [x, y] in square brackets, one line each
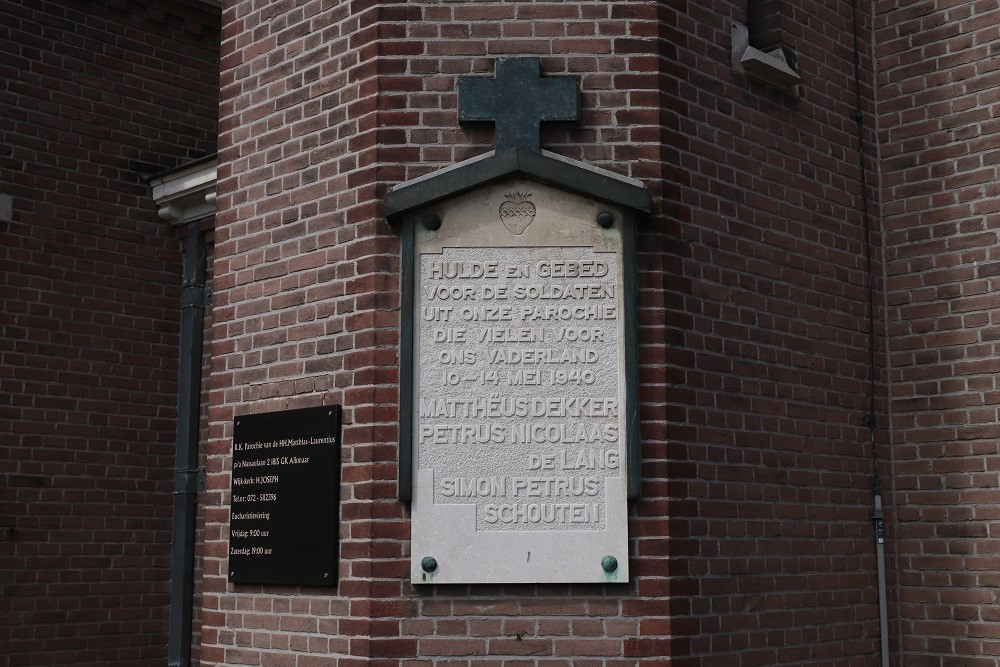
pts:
[285, 493]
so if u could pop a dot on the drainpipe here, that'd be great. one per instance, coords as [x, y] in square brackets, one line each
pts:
[878, 517]
[883, 607]
[187, 480]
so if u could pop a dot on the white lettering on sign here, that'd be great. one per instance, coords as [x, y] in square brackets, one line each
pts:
[518, 408]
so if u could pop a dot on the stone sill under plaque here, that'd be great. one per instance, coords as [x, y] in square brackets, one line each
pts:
[771, 67]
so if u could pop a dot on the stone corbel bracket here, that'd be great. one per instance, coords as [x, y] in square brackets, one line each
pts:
[771, 68]
[186, 193]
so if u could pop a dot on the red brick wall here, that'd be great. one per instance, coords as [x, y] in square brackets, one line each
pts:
[938, 121]
[307, 300]
[94, 95]
[304, 307]
[753, 543]
[764, 290]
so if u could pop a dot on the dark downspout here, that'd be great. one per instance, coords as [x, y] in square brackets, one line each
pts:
[869, 419]
[187, 481]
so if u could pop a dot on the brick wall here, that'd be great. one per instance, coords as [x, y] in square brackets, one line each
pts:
[938, 125]
[768, 463]
[303, 309]
[94, 96]
[307, 300]
[753, 543]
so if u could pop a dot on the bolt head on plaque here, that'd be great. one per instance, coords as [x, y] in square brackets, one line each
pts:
[432, 222]
[605, 219]
[516, 212]
[428, 564]
[609, 564]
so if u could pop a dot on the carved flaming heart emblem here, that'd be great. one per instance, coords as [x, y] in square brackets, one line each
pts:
[516, 213]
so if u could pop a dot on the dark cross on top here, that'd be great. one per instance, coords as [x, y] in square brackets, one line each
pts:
[517, 101]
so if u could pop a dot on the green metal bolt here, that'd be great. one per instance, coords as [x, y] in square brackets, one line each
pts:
[429, 564]
[609, 564]
[605, 219]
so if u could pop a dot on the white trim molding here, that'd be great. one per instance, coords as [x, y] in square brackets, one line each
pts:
[186, 193]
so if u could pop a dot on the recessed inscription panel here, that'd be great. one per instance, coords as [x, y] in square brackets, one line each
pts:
[518, 408]
[518, 421]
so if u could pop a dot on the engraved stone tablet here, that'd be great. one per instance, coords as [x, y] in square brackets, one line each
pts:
[519, 424]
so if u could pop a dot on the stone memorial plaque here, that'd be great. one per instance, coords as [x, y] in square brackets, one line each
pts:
[285, 493]
[519, 420]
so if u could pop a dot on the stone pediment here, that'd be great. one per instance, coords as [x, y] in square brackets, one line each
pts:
[544, 167]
